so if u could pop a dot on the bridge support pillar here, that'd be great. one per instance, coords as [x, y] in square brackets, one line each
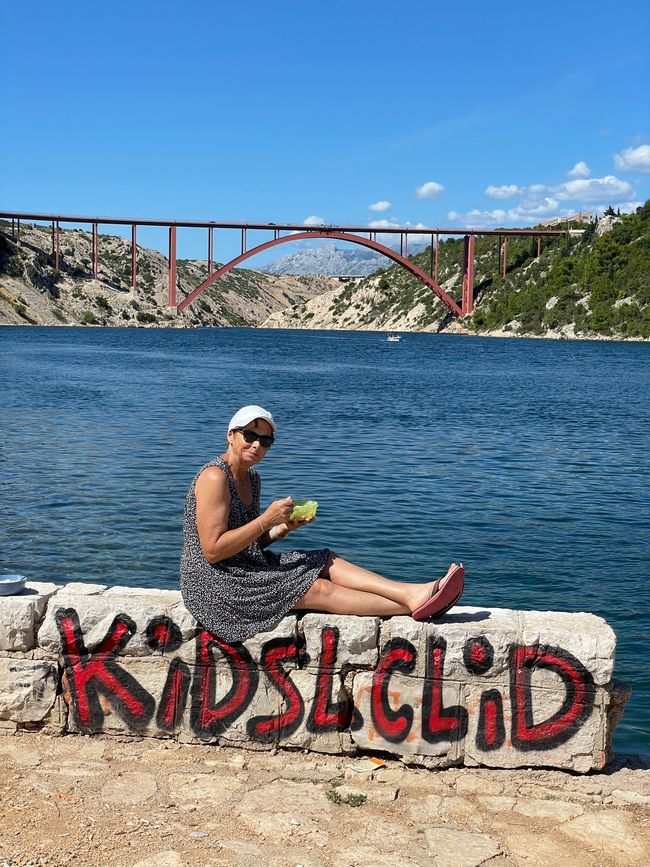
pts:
[468, 276]
[210, 250]
[437, 246]
[134, 257]
[95, 251]
[171, 293]
[55, 240]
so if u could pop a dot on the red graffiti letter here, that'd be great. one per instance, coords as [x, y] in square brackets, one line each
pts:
[576, 707]
[398, 654]
[267, 728]
[208, 717]
[91, 673]
[326, 715]
[439, 723]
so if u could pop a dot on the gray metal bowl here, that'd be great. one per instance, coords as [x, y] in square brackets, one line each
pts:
[11, 584]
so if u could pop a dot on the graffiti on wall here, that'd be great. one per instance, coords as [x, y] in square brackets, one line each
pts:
[99, 678]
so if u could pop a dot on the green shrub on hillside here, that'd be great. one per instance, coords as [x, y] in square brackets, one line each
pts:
[611, 273]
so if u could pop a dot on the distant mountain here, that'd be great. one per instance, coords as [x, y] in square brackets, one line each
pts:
[330, 261]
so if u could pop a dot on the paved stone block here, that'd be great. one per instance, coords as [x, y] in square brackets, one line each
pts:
[238, 706]
[408, 716]
[340, 641]
[324, 713]
[540, 849]
[201, 789]
[93, 616]
[27, 689]
[21, 614]
[557, 811]
[539, 726]
[117, 695]
[587, 637]
[615, 835]
[481, 637]
[453, 848]
[288, 810]
[285, 631]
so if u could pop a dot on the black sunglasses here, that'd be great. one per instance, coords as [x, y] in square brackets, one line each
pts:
[250, 436]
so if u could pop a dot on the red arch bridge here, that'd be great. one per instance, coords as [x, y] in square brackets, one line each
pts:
[286, 232]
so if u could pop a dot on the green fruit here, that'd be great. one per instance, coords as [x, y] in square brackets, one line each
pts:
[303, 510]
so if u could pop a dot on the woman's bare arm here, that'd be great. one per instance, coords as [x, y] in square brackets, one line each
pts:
[212, 510]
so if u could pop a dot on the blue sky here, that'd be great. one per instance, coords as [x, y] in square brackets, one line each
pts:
[344, 112]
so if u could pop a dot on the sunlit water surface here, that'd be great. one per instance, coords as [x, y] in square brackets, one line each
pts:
[525, 459]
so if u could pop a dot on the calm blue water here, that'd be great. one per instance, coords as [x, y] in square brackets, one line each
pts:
[525, 459]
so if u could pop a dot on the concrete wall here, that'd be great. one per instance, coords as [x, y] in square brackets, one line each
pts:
[485, 686]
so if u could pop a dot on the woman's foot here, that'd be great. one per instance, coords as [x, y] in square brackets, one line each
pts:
[421, 593]
[441, 594]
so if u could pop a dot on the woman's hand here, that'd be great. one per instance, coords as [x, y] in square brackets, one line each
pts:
[287, 527]
[278, 513]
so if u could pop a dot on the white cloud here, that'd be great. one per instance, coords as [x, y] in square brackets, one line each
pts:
[392, 239]
[380, 206]
[539, 202]
[505, 191]
[526, 213]
[531, 209]
[609, 188]
[476, 219]
[580, 170]
[623, 207]
[418, 237]
[633, 159]
[629, 207]
[388, 240]
[383, 224]
[313, 220]
[429, 190]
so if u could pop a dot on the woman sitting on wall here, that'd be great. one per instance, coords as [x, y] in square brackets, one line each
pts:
[235, 587]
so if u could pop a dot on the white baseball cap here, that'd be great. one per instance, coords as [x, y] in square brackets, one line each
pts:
[247, 414]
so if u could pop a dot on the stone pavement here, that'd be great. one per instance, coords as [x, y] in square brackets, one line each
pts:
[94, 801]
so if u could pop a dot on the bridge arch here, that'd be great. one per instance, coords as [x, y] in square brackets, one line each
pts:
[421, 275]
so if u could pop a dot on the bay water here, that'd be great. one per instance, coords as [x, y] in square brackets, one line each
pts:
[525, 459]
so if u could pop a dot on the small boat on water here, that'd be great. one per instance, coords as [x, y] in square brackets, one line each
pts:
[393, 338]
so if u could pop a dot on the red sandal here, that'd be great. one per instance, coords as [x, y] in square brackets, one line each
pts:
[445, 593]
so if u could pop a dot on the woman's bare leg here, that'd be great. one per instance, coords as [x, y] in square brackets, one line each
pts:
[325, 595]
[346, 574]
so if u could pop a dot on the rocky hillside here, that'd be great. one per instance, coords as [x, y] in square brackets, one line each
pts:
[33, 292]
[593, 284]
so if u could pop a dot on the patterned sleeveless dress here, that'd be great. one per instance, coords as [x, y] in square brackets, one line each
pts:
[250, 591]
